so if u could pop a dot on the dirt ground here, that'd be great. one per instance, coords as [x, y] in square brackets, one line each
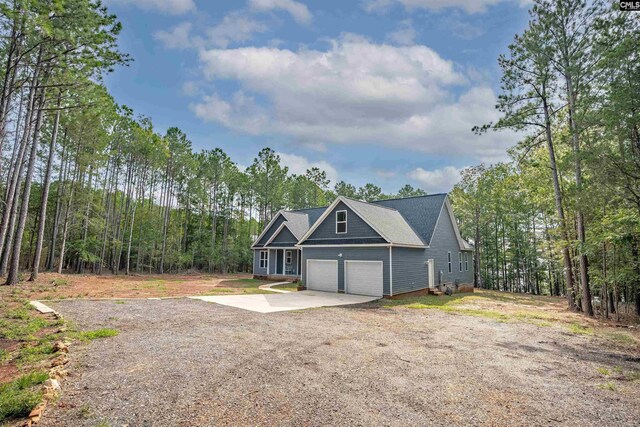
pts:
[64, 286]
[184, 362]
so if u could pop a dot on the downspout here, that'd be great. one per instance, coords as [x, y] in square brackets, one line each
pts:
[390, 271]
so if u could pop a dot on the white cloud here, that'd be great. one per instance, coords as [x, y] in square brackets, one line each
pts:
[176, 38]
[298, 11]
[438, 180]
[469, 6]
[235, 27]
[190, 88]
[299, 165]
[464, 30]
[174, 7]
[355, 92]
[405, 35]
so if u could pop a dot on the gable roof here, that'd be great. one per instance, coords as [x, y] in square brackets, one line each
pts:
[421, 212]
[387, 222]
[409, 221]
[265, 229]
[277, 232]
[297, 223]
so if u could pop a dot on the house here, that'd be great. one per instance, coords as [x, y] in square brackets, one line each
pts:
[383, 248]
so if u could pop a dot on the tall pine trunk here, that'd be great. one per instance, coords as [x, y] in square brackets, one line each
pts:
[14, 268]
[45, 193]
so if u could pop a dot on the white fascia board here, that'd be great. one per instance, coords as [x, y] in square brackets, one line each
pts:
[273, 236]
[267, 228]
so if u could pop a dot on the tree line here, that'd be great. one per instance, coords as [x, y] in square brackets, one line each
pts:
[88, 186]
[562, 217]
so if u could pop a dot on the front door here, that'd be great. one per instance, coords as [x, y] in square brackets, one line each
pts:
[279, 261]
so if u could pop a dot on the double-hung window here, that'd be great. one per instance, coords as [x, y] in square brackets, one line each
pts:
[341, 222]
[449, 261]
[264, 259]
[460, 261]
[466, 262]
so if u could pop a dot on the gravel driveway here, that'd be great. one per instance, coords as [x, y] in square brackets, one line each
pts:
[187, 362]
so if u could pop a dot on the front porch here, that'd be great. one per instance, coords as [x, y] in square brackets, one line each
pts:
[279, 263]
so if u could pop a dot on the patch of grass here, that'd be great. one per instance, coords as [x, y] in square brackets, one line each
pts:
[577, 328]
[242, 283]
[620, 337]
[22, 329]
[539, 323]
[18, 314]
[59, 282]
[459, 310]
[103, 423]
[604, 371]
[535, 315]
[608, 386]
[120, 302]
[18, 397]
[35, 353]
[98, 333]
[4, 354]
[291, 287]
[85, 411]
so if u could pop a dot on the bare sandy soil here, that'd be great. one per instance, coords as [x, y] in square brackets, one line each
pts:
[63, 286]
[186, 362]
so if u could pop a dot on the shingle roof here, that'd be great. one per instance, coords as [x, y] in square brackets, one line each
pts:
[298, 223]
[421, 212]
[312, 213]
[409, 220]
[387, 221]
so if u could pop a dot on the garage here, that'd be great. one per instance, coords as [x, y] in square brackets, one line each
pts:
[322, 275]
[363, 278]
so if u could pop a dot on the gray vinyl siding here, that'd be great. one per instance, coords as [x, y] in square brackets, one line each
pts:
[444, 240]
[277, 223]
[256, 264]
[285, 236]
[356, 229]
[348, 253]
[410, 272]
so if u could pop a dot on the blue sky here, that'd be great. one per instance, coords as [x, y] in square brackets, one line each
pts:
[382, 91]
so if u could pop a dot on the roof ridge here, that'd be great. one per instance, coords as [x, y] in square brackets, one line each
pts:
[307, 209]
[410, 197]
[368, 203]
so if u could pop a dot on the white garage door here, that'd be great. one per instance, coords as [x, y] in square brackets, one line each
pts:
[363, 277]
[322, 275]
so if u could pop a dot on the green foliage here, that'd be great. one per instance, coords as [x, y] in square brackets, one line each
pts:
[95, 334]
[20, 396]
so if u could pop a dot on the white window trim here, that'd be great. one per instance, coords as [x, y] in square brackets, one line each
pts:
[449, 262]
[342, 222]
[288, 256]
[266, 260]
[466, 262]
[460, 261]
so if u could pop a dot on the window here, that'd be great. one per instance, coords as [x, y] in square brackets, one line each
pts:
[264, 259]
[289, 257]
[466, 262]
[460, 260]
[341, 222]
[449, 261]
